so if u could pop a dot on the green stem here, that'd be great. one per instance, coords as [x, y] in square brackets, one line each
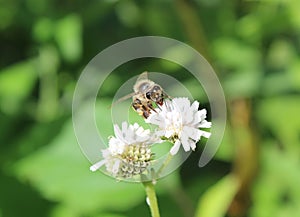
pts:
[152, 201]
[165, 164]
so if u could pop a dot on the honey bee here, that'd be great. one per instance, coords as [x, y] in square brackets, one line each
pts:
[146, 95]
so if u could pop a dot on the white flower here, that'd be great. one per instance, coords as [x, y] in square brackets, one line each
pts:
[179, 122]
[128, 153]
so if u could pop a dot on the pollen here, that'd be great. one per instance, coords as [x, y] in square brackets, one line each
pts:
[135, 160]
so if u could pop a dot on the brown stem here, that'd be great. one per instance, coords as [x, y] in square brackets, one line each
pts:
[192, 26]
[245, 162]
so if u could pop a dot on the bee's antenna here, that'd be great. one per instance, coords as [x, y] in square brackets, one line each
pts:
[121, 99]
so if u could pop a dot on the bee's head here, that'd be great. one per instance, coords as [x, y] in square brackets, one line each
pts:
[155, 94]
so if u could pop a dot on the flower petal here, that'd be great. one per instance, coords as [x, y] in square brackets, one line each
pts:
[181, 118]
[175, 147]
[115, 167]
[185, 142]
[192, 133]
[195, 106]
[206, 134]
[118, 132]
[97, 165]
[193, 145]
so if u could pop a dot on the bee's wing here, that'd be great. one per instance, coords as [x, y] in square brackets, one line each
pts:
[123, 98]
[143, 76]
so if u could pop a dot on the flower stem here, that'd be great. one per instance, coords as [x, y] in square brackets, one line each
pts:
[151, 198]
[164, 165]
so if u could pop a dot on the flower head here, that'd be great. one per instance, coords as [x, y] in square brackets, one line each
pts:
[179, 121]
[128, 152]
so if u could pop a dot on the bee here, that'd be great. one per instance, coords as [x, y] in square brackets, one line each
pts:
[146, 95]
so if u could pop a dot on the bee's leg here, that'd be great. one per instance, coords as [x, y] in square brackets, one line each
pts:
[149, 104]
[159, 104]
[145, 111]
[137, 108]
[146, 114]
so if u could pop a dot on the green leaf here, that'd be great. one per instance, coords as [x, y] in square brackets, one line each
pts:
[68, 35]
[281, 54]
[281, 197]
[294, 75]
[215, 202]
[235, 54]
[226, 149]
[43, 30]
[15, 194]
[272, 84]
[176, 52]
[249, 27]
[48, 64]
[292, 7]
[128, 13]
[243, 84]
[110, 215]
[16, 83]
[275, 113]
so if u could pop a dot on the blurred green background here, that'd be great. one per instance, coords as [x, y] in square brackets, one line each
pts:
[254, 47]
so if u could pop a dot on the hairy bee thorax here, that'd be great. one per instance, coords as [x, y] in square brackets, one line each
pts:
[148, 96]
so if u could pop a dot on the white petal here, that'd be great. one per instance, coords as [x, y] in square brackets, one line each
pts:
[204, 124]
[124, 126]
[188, 118]
[182, 104]
[116, 146]
[192, 133]
[113, 141]
[97, 165]
[129, 135]
[145, 133]
[206, 134]
[185, 142]
[118, 132]
[168, 133]
[203, 113]
[175, 148]
[170, 115]
[159, 133]
[154, 119]
[106, 153]
[167, 106]
[116, 166]
[193, 145]
[195, 106]
[135, 125]
[199, 116]
[139, 131]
